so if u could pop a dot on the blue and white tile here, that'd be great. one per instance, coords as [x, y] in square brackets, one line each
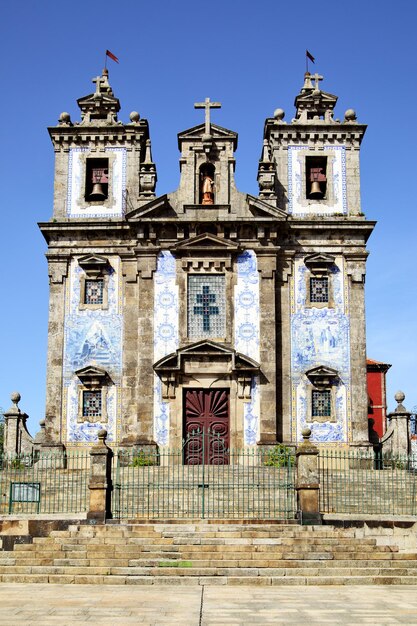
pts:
[166, 334]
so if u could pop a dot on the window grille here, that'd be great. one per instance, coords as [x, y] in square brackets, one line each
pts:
[94, 290]
[92, 403]
[206, 306]
[319, 289]
[321, 404]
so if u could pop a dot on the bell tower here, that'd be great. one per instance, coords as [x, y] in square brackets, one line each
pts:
[103, 167]
[310, 168]
[207, 163]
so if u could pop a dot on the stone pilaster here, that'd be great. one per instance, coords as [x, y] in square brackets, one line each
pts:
[100, 484]
[58, 271]
[267, 348]
[307, 481]
[359, 392]
[145, 378]
[283, 356]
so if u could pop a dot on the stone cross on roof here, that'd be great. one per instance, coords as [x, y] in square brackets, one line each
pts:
[207, 105]
[317, 78]
[102, 83]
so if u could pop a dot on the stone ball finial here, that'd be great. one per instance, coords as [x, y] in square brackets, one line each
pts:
[306, 433]
[350, 115]
[399, 397]
[15, 397]
[102, 433]
[65, 117]
[134, 117]
[279, 114]
[42, 423]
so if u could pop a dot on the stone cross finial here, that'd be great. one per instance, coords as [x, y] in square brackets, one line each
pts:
[317, 78]
[102, 83]
[207, 105]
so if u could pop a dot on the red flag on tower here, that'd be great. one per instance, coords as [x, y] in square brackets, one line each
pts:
[112, 56]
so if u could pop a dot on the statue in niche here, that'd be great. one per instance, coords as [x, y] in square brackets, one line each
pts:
[207, 189]
[207, 184]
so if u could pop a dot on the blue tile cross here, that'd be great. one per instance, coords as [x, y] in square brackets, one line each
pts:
[206, 299]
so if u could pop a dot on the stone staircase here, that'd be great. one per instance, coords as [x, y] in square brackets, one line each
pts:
[204, 553]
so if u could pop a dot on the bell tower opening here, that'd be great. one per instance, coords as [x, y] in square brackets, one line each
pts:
[206, 194]
[97, 179]
[316, 178]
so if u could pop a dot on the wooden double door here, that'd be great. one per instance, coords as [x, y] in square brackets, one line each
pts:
[206, 426]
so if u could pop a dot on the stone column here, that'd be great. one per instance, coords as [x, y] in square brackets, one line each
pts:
[100, 484]
[267, 348]
[307, 480]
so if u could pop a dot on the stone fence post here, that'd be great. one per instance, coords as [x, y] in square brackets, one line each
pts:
[100, 484]
[396, 440]
[307, 480]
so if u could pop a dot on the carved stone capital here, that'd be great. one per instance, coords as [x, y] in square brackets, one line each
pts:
[147, 265]
[355, 269]
[267, 265]
[130, 270]
[57, 270]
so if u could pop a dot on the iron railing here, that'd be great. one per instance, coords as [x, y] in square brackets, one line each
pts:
[367, 483]
[45, 483]
[204, 479]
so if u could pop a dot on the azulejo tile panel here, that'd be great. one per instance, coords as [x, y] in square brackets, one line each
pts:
[166, 334]
[76, 207]
[246, 307]
[92, 337]
[320, 337]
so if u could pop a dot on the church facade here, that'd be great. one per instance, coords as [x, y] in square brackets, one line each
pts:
[207, 308]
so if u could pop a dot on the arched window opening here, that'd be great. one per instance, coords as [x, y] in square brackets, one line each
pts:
[207, 183]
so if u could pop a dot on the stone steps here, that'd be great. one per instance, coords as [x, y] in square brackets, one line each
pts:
[208, 553]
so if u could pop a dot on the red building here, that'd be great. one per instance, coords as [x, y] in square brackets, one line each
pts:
[377, 398]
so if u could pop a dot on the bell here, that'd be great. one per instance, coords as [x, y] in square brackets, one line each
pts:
[315, 191]
[97, 192]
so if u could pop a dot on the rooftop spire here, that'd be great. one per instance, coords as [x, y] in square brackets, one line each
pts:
[312, 104]
[99, 108]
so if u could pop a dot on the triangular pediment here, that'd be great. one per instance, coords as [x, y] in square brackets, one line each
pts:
[90, 375]
[259, 208]
[206, 242]
[93, 264]
[158, 207]
[313, 96]
[197, 132]
[92, 260]
[91, 370]
[319, 258]
[322, 376]
[209, 350]
[319, 263]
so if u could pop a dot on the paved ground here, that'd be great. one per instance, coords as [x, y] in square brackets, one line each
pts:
[114, 605]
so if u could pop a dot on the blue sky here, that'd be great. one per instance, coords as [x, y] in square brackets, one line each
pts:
[249, 56]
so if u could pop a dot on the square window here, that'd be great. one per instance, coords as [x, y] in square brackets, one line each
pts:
[319, 289]
[92, 403]
[206, 306]
[94, 291]
[321, 403]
